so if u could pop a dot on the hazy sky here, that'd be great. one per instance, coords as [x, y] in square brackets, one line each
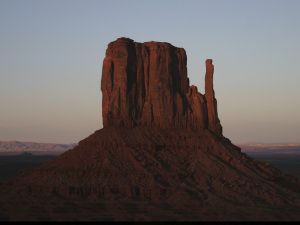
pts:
[51, 54]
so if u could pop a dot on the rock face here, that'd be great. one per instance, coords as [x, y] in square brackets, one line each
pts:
[146, 84]
[211, 102]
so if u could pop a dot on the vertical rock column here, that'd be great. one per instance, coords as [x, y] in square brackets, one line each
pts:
[213, 120]
[118, 81]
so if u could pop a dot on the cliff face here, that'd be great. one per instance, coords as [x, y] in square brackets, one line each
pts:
[211, 102]
[146, 84]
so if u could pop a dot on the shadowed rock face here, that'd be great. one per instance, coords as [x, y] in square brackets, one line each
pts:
[146, 84]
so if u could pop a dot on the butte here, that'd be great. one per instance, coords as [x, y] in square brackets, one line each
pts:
[161, 154]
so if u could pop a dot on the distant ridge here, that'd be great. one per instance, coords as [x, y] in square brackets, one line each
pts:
[16, 147]
[271, 148]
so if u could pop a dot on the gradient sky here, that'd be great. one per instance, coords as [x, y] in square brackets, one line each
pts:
[51, 54]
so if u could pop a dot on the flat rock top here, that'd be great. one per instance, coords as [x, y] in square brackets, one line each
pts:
[124, 40]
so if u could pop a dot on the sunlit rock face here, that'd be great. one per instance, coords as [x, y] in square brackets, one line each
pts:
[146, 84]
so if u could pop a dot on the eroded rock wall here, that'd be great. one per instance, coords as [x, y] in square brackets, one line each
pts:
[146, 84]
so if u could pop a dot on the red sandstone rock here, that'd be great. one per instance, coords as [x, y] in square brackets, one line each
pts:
[146, 84]
[213, 119]
[197, 113]
[152, 174]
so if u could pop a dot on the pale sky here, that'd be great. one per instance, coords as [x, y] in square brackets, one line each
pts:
[51, 54]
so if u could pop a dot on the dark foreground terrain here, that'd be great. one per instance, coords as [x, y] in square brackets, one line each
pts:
[137, 175]
[283, 156]
[288, 163]
[11, 165]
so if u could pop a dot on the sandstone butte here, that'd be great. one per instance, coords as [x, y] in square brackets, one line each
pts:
[161, 155]
[146, 84]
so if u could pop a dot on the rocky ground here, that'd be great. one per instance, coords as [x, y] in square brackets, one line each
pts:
[152, 174]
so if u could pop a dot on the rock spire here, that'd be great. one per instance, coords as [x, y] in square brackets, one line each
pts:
[211, 102]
